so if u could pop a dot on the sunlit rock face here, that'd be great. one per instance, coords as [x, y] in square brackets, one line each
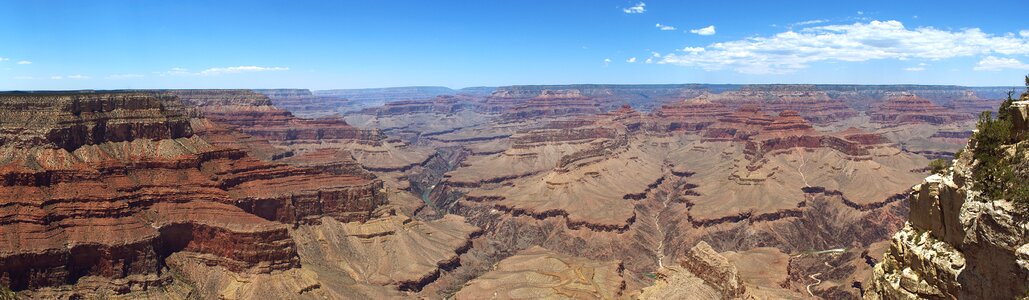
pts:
[955, 244]
[908, 108]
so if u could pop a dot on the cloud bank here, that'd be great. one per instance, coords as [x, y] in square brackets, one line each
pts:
[790, 51]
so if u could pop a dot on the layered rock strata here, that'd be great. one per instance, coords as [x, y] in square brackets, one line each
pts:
[253, 114]
[142, 187]
[905, 108]
[540, 273]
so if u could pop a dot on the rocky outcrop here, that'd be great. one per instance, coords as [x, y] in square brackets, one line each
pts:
[253, 114]
[540, 273]
[690, 115]
[740, 125]
[71, 120]
[812, 104]
[904, 108]
[444, 104]
[714, 269]
[763, 134]
[551, 103]
[955, 244]
[113, 207]
[702, 273]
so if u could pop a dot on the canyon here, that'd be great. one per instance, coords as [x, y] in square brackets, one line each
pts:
[572, 191]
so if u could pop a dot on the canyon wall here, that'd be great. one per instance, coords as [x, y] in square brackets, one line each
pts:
[958, 244]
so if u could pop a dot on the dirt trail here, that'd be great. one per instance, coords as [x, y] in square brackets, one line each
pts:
[802, 162]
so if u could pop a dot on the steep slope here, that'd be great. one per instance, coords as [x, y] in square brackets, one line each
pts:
[962, 240]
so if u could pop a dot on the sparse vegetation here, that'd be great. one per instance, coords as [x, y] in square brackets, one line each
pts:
[939, 166]
[996, 173]
[7, 294]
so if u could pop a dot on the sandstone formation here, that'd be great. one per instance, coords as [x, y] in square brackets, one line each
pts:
[548, 103]
[690, 115]
[907, 108]
[142, 187]
[814, 105]
[443, 105]
[523, 191]
[701, 274]
[253, 114]
[955, 244]
[539, 273]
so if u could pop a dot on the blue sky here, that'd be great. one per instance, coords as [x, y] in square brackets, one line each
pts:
[344, 44]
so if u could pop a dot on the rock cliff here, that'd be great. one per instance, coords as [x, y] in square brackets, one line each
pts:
[252, 113]
[901, 108]
[106, 186]
[958, 243]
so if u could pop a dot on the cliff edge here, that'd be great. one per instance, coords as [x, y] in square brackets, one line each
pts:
[967, 236]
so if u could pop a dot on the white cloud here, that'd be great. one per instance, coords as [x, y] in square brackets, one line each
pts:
[664, 27]
[124, 76]
[631, 60]
[993, 63]
[1024, 33]
[710, 30]
[693, 50]
[4, 59]
[649, 60]
[23, 77]
[77, 76]
[219, 71]
[860, 12]
[639, 8]
[56, 77]
[240, 69]
[914, 69]
[810, 22]
[655, 54]
[24, 62]
[607, 61]
[790, 51]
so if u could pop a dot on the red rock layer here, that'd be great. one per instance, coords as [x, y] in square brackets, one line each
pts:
[907, 108]
[763, 134]
[515, 106]
[251, 113]
[740, 125]
[689, 115]
[117, 209]
[444, 104]
[530, 138]
[815, 106]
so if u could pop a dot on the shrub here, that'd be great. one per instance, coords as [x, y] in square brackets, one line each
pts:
[939, 166]
[995, 173]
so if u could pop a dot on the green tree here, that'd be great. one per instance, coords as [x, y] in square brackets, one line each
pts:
[939, 166]
[990, 174]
